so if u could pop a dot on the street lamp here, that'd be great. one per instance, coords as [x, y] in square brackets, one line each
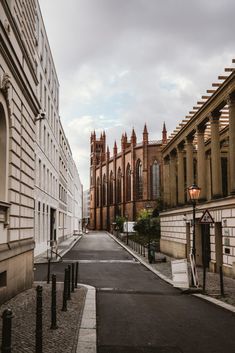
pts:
[126, 228]
[194, 192]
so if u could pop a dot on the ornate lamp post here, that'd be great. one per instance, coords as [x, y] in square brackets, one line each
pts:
[194, 192]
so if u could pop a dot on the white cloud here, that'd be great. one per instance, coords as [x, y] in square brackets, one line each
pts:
[126, 62]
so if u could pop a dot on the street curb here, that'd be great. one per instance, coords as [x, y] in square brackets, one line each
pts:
[87, 332]
[62, 253]
[159, 274]
[87, 336]
[168, 280]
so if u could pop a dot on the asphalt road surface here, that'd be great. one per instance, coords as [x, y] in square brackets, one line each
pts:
[139, 313]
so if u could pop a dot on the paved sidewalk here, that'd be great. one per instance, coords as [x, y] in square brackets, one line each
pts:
[76, 331]
[163, 270]
[62, 249]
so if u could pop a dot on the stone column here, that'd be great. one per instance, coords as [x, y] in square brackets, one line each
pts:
[231, 105]
[201, 162]
[215, 156]
[166, 182]
[180, 172]
[189, 162]
[173, 190]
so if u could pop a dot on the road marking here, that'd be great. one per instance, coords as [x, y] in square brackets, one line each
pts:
[102, 261]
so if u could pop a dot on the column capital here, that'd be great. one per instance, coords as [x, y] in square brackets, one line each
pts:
[231, 99]
[189, 139]
[201, 129]
[180, 146]
[214, 116]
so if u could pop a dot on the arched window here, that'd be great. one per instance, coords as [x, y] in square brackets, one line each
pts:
[98, 192]
[128, 183]
[111, 188]
[3, 152]
[139, 180]
[155, 180]
[119, 186]
[104, 194]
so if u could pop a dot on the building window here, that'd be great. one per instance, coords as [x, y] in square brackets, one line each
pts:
[98, 192]
[128, 183]
[111, 188]
[104, 191]
[139, 181]
[119, 186]
[155, 180]
[3, 154]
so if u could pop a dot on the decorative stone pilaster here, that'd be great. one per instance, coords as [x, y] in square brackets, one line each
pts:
[231, 106]
[215, 156]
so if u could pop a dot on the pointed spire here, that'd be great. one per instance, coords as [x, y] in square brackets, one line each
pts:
[107, 153]
[164, 134]
[115, 148]
[145, 134]
[133, 137]
[145, 129]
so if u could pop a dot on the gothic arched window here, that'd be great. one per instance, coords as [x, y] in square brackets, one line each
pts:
[139, 180]
[155, 180]
[128, 183]
[119, 185]
[98, 192]
[111, 188]
[104, 196]
[3, 153]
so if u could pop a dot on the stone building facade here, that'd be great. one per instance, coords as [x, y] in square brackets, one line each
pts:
[202, 151]
[124, 183]
[30, 147]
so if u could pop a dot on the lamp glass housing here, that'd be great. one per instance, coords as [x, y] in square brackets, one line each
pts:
[194, 192]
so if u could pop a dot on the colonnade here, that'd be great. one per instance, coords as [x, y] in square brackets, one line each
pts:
[190, 159]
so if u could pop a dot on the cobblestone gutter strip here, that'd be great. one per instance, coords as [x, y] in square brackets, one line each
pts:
[87, 333]
[61, 340]
[228, 302]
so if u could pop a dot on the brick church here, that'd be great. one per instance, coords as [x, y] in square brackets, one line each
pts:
[127, 181]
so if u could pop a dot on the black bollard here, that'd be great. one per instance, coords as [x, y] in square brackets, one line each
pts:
[76, 275]
[65, 292]
[6, 330]
[72, 282]
[48, 271]
[221, 282]
[53, 303]
[69, 282]
[39, 320]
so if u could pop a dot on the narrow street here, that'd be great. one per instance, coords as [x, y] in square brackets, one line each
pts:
[137, 311]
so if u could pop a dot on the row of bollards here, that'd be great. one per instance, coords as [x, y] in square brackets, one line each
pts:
[137, 247]
[70, 283]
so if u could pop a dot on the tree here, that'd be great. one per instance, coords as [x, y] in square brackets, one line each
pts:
[120, 222]
[147, 225]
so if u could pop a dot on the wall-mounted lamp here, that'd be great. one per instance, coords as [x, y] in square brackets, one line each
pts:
[41, 116]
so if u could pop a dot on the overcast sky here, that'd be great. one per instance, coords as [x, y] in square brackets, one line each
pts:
[122, 63]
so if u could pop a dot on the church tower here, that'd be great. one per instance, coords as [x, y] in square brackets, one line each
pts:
[97, 156]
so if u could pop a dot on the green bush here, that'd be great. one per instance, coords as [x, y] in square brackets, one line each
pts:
[119, 223]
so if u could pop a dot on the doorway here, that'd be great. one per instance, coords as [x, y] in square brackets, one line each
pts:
[218, 246]
[52, 226]
[206, 247]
